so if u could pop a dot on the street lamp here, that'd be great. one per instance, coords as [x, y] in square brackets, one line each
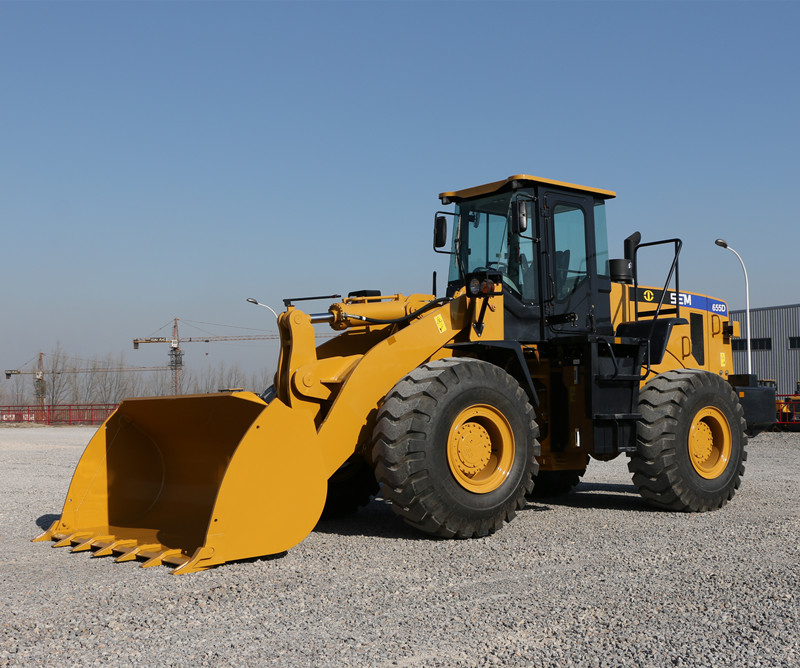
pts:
[258, 303]
[724, 244]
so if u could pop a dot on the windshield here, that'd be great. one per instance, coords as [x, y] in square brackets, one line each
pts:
[483, 240]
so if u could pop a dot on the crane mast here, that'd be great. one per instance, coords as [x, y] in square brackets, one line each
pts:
[175, 353]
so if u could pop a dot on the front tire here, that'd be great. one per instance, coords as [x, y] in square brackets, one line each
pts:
[691, 441]
[455, 447]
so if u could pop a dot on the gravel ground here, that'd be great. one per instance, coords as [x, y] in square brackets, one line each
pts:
[593, 579]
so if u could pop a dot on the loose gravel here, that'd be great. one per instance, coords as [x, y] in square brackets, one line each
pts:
[595, 578]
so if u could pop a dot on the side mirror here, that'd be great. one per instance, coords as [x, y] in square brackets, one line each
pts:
[519, 217]
[440, 232]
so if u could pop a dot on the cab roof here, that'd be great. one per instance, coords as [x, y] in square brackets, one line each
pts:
[518, 181]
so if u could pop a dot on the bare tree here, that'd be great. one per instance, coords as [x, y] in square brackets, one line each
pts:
[101, 381]
[56, 389]
[82, 386]
[157, 384]
[112, 386]
[224, 376]
[17, 391]
[5, 396]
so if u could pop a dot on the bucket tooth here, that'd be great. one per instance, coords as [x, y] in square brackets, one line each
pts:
[114, 546]
[49, 534]
[158, 559]
[136, 550]
[88, 544]
[197, 562]
[72, 538]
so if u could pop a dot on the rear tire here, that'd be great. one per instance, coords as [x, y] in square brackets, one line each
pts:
[691, 441]
[455, 447]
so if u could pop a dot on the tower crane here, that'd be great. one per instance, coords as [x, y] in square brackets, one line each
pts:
[176, 354]
[40, 384]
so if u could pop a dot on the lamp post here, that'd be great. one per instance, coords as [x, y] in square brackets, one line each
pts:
[258, 303]
[724, 244]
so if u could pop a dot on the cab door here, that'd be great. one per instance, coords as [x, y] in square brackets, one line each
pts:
[570, 282]
[523, 298]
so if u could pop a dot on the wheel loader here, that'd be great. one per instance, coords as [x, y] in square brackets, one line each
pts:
[542, 354]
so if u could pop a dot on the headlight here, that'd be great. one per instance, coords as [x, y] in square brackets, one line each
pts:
[479, 286]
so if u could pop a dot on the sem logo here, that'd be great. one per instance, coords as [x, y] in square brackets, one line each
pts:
[683, 299]
[648, 295]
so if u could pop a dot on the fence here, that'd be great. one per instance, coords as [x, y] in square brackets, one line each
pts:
[68, 414]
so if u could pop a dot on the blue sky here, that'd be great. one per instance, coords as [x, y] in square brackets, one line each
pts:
[163, 160]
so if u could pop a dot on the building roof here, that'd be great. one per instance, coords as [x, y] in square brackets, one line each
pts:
[765, 308]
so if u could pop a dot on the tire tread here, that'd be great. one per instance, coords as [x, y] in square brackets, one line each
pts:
[399, 443]
[655, 468]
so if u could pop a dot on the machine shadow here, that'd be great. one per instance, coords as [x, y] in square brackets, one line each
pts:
[44, 521]
[605, 496]
[376, 519]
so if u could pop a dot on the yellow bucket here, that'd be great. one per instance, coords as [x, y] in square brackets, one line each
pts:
[195, 481]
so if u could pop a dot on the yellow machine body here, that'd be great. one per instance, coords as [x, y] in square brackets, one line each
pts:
[702, 342]
[196, 481]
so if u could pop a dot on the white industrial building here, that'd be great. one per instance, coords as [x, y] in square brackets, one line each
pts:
[775, 345]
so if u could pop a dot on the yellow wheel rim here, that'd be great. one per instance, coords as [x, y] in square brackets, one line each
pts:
[480, 449]
[710, 442]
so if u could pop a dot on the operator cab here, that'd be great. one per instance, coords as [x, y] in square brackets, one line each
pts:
[546, 242]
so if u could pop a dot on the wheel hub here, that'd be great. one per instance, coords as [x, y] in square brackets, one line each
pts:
[480, 448]
[710, 443]
[474, 448]
[702, 444]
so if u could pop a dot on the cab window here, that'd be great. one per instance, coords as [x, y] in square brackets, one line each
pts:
[570, 267]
